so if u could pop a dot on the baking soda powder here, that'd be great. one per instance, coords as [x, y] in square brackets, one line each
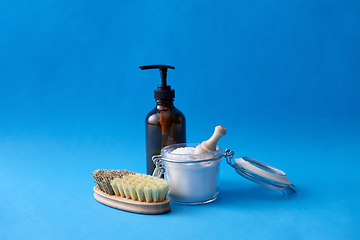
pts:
[193, 179]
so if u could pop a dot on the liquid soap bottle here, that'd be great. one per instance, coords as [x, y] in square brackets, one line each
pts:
[165, 124]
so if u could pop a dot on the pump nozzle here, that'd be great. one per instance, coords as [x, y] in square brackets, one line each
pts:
[163, 91]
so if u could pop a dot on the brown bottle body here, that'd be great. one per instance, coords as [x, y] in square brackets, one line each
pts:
[164, 125]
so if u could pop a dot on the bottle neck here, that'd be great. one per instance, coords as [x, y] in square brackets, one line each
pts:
[165, 102]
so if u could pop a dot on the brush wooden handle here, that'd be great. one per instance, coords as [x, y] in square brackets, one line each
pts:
[131, 205]
[210, 145]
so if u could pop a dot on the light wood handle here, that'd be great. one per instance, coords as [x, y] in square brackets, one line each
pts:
[131, 205]
[210, 144]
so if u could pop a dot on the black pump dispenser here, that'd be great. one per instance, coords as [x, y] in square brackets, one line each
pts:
[163, 91]
[165, 124]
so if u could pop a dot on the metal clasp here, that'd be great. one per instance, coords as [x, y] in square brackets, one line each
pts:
[229, 155]
[159, 166]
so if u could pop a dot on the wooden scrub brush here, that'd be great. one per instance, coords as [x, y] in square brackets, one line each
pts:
[131, 191]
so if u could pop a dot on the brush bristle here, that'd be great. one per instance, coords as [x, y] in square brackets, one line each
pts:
[131, 185]
[141, 187]
[102, 179]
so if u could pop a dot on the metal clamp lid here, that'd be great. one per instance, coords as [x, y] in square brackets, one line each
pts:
[159, 166]
[259, 172]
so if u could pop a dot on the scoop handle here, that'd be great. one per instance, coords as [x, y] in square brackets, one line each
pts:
[210, 145]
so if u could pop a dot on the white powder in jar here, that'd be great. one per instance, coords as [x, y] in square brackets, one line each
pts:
[192, 182]
[184, 150]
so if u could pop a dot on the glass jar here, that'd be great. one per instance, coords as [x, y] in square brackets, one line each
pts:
[193, 178]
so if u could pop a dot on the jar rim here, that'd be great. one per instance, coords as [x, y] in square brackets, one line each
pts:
[167, 155]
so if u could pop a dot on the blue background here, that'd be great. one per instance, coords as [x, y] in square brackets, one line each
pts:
[281, 76]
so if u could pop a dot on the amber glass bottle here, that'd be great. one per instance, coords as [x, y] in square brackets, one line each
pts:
[165, 124]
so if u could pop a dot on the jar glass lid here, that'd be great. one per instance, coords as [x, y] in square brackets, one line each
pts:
[259, 172]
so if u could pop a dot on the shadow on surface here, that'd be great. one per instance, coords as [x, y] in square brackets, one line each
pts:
[232, 193]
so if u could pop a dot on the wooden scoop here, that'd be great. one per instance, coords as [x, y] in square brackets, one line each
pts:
[210, 145]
